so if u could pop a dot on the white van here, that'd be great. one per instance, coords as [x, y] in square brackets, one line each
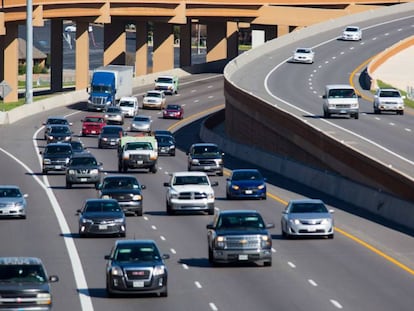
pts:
[129, 106]
[340, 99]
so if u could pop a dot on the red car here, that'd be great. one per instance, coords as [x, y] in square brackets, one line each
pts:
[173, 112]
[92, 125]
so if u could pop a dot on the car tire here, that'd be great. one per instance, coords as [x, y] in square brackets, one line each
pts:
[267, 263]
[326, 114]
[356, 116]
[153, 169]
[44, 172]
[124, 168]
[220, 173]
[210, 256]
[122, 234]
[138, 213]
[169, 209]
[68, 185]
[331, 236]
[96, 185]
[164, 293]
[401, 112]
[211, 211]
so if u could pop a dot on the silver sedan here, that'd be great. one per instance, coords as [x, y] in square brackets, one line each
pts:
[141, 123]
[305, 217]
[114, 115]
[12, 202]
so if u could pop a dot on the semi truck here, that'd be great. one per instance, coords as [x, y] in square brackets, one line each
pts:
[108, 85]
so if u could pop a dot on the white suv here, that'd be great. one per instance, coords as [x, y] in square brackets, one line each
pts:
[190, 191]
[129, 106]
[388, 100]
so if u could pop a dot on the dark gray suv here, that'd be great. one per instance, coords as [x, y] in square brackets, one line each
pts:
[83, 168]
[205, 157]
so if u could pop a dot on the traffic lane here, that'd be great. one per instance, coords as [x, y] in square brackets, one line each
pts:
[39, 234]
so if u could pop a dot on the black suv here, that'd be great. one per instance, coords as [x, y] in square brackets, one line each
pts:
[24, 284]
[126, 189]
[83, 168]
[110, 136]
[239, 236]
[166, 144]
[56, 157]
[205, 157]
[58, 132]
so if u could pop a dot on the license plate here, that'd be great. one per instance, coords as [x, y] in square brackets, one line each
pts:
[83, 179]
[93, 132]
[58, 167]
[140, 162]
[112, 143]
[243, 257]
[138, 284]
[206, 167]
[311, 229]
[102, 227]
[343, 111]
[248, 191]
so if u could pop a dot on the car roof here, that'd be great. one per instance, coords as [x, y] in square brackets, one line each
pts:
[57, 118]
[142, 116]
[155, 91]
[388, 89]
[83, 155]
[58, 144]
[120, 176]
[59, 125]
[352, 26]
[128, 98]
[140, 241]
[100, 200]
[186, 173]
[339, 86]
[240, 211]
[245, 170]
[113, 126]
[204, 144]
[20, 261]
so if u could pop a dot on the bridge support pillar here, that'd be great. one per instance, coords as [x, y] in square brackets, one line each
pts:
[185, 44]
[82, 55]
[216, 41]
[56, 55]
[9, 46]
[232, 40]
[141, 48]
[114, 43]
[282, 30]
[163, 48]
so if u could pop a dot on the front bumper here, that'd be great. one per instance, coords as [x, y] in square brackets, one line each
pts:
[231, 256]
[303, 230]
[102, 229]
[108, 143]
[120, 285]
[12, 211]
[131, 207]
[83, 179]
[247, 193]
[211, 168]
[191, 205]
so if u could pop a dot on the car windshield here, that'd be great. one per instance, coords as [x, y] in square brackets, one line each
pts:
[141, 119]
[58, 149]
[56, 121]
[205, 150]
[87, 161]
[120, 183]
[141, 252]
[94, 120]
[98, 206]
[247, 176]
[138, 146]
[297, 208]
[164, 139]
[59, 130]
[164, 80]
[240, 221]
[303, 51]
[351, 29]
[173, 107]
[113, 110]
[390, 93]
[126, 104]
[341, 93]
[154, 94]
[77, 146]
[22, 273]
[9, 193]
[190, 180]
[111, 130]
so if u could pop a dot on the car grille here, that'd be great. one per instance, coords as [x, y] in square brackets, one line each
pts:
[207, 162]
[18, 300]
[122, 197]
[99, 100]
[192, 196]
[310, 221]
[58, 161]
[6, 205]
[103, 221]
[311, 232]
[138, 274]
[243, 242]
[138, 157]
[343, 106]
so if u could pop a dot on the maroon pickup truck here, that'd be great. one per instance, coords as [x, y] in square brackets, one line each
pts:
[92, 125]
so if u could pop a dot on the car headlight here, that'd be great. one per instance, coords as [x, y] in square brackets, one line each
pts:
[354, 105]
[125, 157]
[71, 172]
[86, 221]
[119, 220]
[219, 161]
[220, 242]
[67, 160]
[173, 194]
[210, 195]
[19, 204]
[261, 187]
[137, 197]
[266, 241]
[116, 271]
[95, 171]
[194, 161]
[67, 138]
[44, 299]
[47, 161]
[104, 139]
[108, 103]
[50, 137]
[235, 187]
[172, 147]
[295, 221]
[159, 270]
[325, 221]
[105, 196]
[106, 116]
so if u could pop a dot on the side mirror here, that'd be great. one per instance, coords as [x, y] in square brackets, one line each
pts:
[324, 96]
[210, 226]
[53, 278]
[167, 184]
[108, 257]
[270, 226]
[214, 184]
[143, 187]
[165, 256]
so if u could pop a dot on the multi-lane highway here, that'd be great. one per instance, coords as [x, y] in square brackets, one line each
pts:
[384, 137]
[309, 274]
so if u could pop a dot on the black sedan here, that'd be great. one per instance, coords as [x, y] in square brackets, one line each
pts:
[136, 267]
[101, 217]
[166, 144]
[58, 133]
[110, 136]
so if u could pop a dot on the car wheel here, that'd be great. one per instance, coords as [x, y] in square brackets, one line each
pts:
[169, 209]
[331, 236]
[99, 145]
[23, 217]
[211, 211]
[210, 256]
[96, 186]
[138, 213]
[326, 114]
[153, 169]
[356, 116]
[122, 234]
[124, 168]
[220, 173]
[164, 293]
[401, 112]
[44, 172]
[267, 263]
[173, 154]
[68, 185]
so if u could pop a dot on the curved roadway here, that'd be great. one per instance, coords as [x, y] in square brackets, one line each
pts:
[309, 274]
[385, 137]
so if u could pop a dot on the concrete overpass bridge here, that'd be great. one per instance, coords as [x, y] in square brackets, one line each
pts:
[223, 20]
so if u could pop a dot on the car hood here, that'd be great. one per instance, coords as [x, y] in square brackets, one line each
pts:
[103, 215]
[165, 144]
[247, 183]
[109, 135]
[309, 216]
[152, 98]
[241, 231]
[83, 167]
[193, 188]
[138, 264]
[120, 191]
[25, 286]
[11, 200]
[201, 156]
[391, 99]
[56, 155]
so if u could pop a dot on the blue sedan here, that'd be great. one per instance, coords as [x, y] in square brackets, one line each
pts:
[246, 183]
